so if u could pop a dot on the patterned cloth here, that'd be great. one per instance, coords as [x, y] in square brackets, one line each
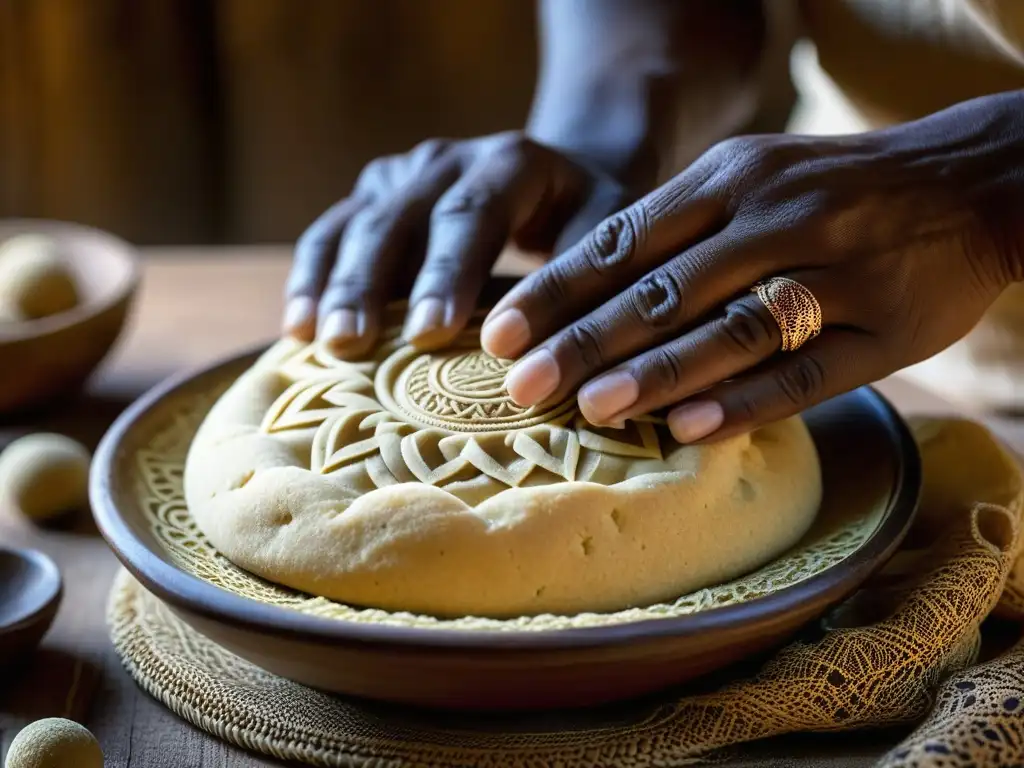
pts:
[904, 650]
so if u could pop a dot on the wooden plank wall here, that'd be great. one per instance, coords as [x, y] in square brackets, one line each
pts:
[200, 121]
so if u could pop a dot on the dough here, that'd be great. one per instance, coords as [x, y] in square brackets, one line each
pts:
[45, 475]
[35, 280]
[412, 482]
[54, 743]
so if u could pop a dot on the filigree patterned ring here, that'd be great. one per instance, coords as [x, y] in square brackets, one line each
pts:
[794, 308]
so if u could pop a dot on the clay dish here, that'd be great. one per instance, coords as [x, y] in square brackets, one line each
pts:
[871, 478]
[30, 592]
[45, 358]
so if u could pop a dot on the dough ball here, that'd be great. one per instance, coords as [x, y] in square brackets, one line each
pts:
[35, 280]
[45, 475]
[54, 743]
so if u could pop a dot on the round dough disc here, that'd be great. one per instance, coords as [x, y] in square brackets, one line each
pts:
[410, 481]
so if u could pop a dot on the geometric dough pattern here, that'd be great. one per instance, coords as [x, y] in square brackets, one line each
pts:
[440, 418]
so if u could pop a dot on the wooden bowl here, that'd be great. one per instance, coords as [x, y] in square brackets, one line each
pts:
[871, 485]
[45, 358]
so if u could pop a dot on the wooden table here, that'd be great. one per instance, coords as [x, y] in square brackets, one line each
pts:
[196, 306]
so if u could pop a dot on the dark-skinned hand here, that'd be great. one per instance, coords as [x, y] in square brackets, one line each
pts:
[904, 236]
[433, 222]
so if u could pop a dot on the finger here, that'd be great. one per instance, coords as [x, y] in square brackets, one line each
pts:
[375, 246]
[314, 255]
[620, 251]
[657, 308]
[516, 186]
[837, 361]
[743, 335]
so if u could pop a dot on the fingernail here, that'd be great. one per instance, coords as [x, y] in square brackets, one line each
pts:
[426, 317]
[608, 395]
[533, 378]
[300, 316]
[695, 421]
[506, 334]
[340, 326]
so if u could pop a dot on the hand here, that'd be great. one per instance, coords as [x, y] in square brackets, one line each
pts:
[901, 235]
[435, 220]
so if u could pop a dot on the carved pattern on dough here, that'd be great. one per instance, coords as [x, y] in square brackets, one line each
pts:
[443, 418]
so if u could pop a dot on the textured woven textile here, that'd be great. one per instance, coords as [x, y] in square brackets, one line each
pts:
[905, 650]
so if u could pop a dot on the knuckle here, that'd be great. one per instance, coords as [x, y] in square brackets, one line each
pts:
[666, 369]
[747, 330]
[552, 285]
[802, 381]
[586, 343]
[747, 409]
[375, 220]
[512, 143]
[744, 155]
[617, 239]
[733, 148]
[657, 300]
[730, 147]
[430, 149]
[472, 201]
[372, 172]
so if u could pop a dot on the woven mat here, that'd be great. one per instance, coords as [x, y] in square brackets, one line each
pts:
[903, 651]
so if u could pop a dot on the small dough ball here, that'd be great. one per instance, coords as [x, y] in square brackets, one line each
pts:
[45, 475]
[54, 743]
[35, 280]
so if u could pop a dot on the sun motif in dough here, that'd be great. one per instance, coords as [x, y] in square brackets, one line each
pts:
[442, 418]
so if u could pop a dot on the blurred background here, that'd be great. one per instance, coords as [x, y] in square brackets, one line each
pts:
[238, 121]
[206, 121]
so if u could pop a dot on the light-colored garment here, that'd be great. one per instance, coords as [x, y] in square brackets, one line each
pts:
[871, 63]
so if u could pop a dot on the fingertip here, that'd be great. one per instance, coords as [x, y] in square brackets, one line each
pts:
[533, 379]
[426, 322]
[602, 400]
[299, 319]
[691, 422]
[343, 331]
[506, 334]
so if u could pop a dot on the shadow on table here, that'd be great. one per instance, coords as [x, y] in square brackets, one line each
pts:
[46, 683]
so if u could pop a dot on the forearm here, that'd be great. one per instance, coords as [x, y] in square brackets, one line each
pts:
[617, 76]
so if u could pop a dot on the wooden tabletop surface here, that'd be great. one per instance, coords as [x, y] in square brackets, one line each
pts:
[196, 306]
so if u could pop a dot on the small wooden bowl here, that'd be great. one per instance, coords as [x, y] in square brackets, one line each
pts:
[45, 358]
[870, 467]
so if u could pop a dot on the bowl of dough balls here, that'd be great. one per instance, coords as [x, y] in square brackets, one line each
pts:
[65, 292]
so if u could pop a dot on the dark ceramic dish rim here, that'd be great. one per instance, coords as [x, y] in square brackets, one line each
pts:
[193, 595]
[53, 579]
[41, 327]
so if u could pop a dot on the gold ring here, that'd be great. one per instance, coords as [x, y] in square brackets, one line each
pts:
[794, 308]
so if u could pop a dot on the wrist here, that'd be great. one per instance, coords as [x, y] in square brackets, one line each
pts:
[975, 150]
[603, 125]
[636, 137]
[639, 88]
